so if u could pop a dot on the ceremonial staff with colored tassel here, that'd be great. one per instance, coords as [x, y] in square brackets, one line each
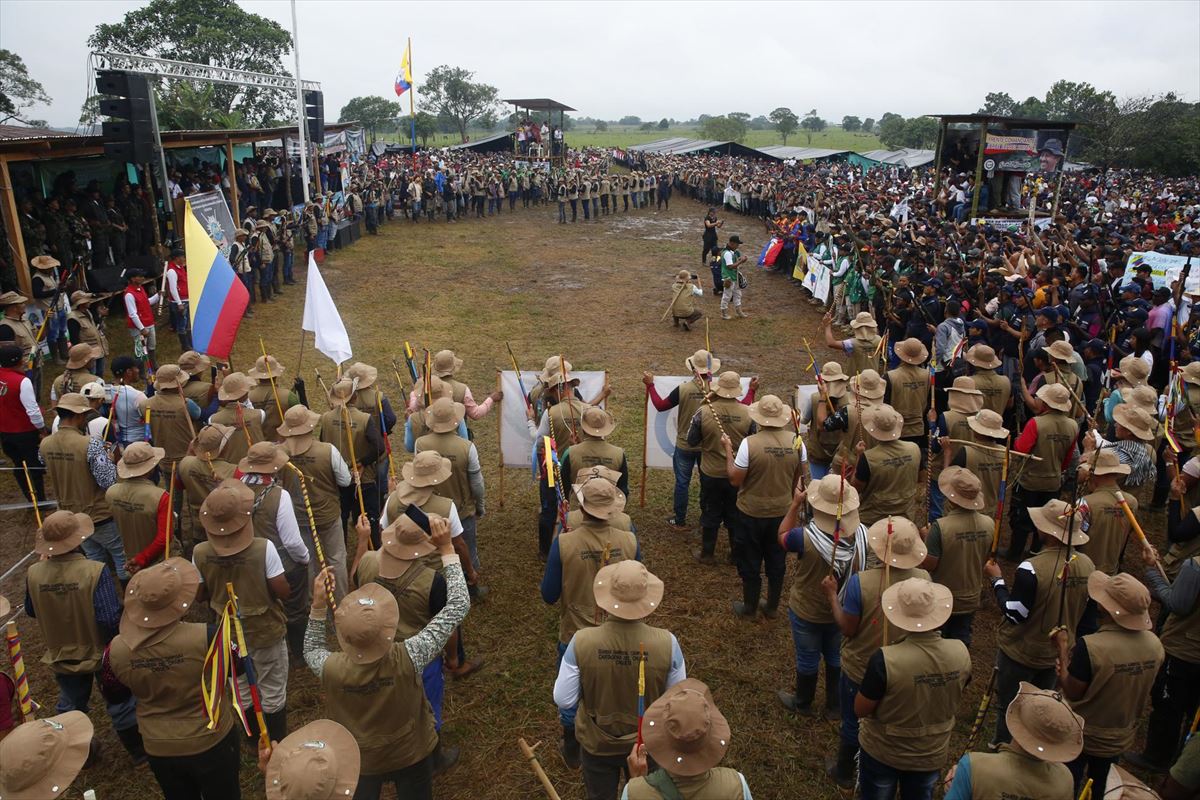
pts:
[271, 378]
[312, 526]
[242, 652]
[12, 640]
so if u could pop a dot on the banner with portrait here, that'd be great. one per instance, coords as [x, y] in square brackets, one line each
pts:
[1025, 150]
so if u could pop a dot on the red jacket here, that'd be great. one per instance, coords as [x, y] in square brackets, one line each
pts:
[13, 418]
[142, 303]
[180, 279]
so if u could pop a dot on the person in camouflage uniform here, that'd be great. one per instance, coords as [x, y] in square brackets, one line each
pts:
[81, 236]
[58, 233]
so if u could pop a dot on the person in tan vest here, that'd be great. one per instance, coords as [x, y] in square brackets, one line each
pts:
[959, 544]
[414, 424]
[720, 416]
[1108, 526]
[620, 521]
[831, 396]
[684, 309]
[768, 466]
[85, 327]
[689, 737]
[1136, 440]
[159, 658]
[858, 611]
[862, 348]
[77, 608]
[1108, 675]
[237, 412]
[815, 634]
[81, 359]
[200, 391]
[370, 399]
[598, 675]
[42, 757]
[172, 417]
[445, 366]
[995, 388]
[595, 425]
[1046, 734]
[275, 519]
[201, 470]
[1054, 365]
[15, 328]
[1049, 591]
[80, 472]
[267, 371]
[909, 695]
[575, 558]
[232, 554]
[988, 431]
[887, 473]
[140, 506]
[963, 401]
[376, 678]
[908, 391]
[320, 761]
[866, 390]
[337, 426]
[1051, 435]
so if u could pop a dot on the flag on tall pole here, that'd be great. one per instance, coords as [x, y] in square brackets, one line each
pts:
[404, 77]
[321, 317]
[218, 297]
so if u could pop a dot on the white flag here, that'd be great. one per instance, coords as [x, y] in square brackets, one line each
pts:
[322, 318]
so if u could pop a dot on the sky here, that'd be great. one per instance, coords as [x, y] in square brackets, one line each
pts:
[679, 60]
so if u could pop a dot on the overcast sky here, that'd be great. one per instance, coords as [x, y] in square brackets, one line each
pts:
[679, 60]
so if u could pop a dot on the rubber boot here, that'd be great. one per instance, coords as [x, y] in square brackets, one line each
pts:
[841, 769]
[801, 701]
[833, 698]
[131, 740]
[295, 639]
[774, 592]
[444, 757]
[1158, 500]
[747, 607]
[569, 748]
[1161, 744]
[277, 727]
[708, 547]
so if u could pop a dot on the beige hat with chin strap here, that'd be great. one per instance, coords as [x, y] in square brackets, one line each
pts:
[444, 415]
[428, 468]
[193, 363]
[320, 761]
[1135, 420]
[1124, 597]
[597, 422]
[211, 440]
[263, 458]
[912, 351]
[600, 499]
[962, 487]
[1061, 351]
[770, 412]
[41, 757]
[1056, 396]
[365, 374]
[835, 379]
[627, 590]
[234, 386]
[341, 393]
[62, 532]
[728, 385]
[73, 402]
[1107, 462]
[901, 547]
[1053, 518]
[884, 423]
[962, 396]
[863, 325]
[982, 356]
[365, 622]
[169, 376]
[988, 423]
[446, 364]
[298, 421]
[917, 605]
[703, 362]
[138, 459]
[1133, 370]
[80, 355]
[1044, 725]
[868, 384]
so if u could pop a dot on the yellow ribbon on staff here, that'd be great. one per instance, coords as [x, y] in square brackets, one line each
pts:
[549, 461]
[216, 671]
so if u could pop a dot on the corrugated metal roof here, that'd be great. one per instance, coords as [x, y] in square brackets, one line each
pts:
[476, 142]
[539, 104]
[25, 132]
[904, 157]
[800, 153]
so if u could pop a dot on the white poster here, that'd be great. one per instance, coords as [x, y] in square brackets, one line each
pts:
[516, 448]
[818, 278]
[1164, 269]
[804, 398]
[661, 426]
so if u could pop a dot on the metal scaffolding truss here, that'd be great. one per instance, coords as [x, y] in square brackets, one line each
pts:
[166, 68]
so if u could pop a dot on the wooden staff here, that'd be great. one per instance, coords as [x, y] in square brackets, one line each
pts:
[1086, 794]
[1003, 489]
[985, 703]
[1137, 528]
[686, 284]
[887, 576]
[362, 507]
[536, 765]
[271, 378]
[37, 511]
[170, 513]
[562, 369]
[12, 639]
[312, 525]
[324, 388]
[387, 439]
[837, 523]
[243, 653]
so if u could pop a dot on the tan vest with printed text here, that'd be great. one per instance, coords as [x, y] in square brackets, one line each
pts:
[858, 649]
[1030, 643]
[61, 590]
[890, 490]
[457, 487]
[64, 453]
[735, 422]
[1124, 666]
[766, 491]
[262, 613]
[1013, 775]
[910, 396]
[583, 551]
[966, 543]
[134, 503]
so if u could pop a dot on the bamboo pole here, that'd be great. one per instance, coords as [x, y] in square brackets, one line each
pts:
[536, 765]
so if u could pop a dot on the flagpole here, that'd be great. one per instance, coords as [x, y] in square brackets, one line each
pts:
[299, 108]
[412, 114]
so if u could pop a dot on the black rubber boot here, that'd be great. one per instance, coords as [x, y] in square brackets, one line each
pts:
[774, 592]
[800, 702]
[131, 740]
[747, 607]
[708, 546]
[277, 727]
[1162, 741]
[833, 697]
[444, 757]
[841, 769]
[295, 639]
[569, 748]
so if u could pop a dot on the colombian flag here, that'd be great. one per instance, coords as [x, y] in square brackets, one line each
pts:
[218, 298]
[404, 77]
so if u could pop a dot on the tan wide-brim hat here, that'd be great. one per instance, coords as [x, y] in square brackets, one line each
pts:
[836, 381]
[1061, 351]
[211, 440]
[428, 468]
[1109, 463]
[193, 363]
[903, 549]
[62, 532]
[912, 351]
[627, 590]
[320, 761]
[1044, 725]
[827, 521]
[365, 621]
[341, 393]
[169, 376]
[555, 365]
[1134, 420]
[884, 423]
[12, 299]
[446, 364]
[962, 487]
[770, 412]
[683, 276]
[81, 354]
[1191, 373]
[1123, 785]
[867, 384]
[600, 499]
[402, 542]
[917, 605]
[1144, 397]
[982, 356]
[863, 325]
[81, 298]
[595, 472]
[226, 516]
[44, 262]
[684, 731]
[597, 422]
[989, 424]
[156, 597]
[138, 459]
[410, 495]
[1056, 396]
[444, 415]
[1052, 519]
[265, 367]
[74, 402]
[1124, 597]
[962, 396]
[826, 494]
[728, 385]
[1133, 370]
[234, 386]
[40, 759]
[365, 374]
[298, 421]
[700, 361]
[264, 458]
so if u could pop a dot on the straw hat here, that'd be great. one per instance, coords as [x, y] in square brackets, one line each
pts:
[402, 542]
[138, 459]
[193, 363]
[983, 357]
[1108, 463]
[225, 516]
[597, 422]
[912, 351]
[835, 380]
[80, 354]
[884, 423]
[265, 367]
[1056, 396]
[823, 496]
[962, 487]
[298, 421]
[1124, 597]
[365, 621]
[341, 392]
[600, 499]
[320, 761]
[62, 532]
[905, 551]
[596, 472]
[157, 597]
[1044, 725]
[169, 376]
[428, 468]
[1135, 420]
[989, 424]
[1133, 370]
[1191, 373]
[41, 758]
[44, 262]
[865, 322]
[365, 374]
[868, 384]
[446, 364]
[74, 402]
[264, 458]
[917, 605]
[1052, 519]
[1061, 351]
[963, 396]
[699, 362]
[770, 412]
[684, 731]
[444, 415]
[234, 386]
[212, 438]
[627, 590]
[728, 385]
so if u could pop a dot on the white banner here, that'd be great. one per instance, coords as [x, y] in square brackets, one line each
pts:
[1164, 269]
[516, 448]
[804, 399]
[817, 279]
[662, 426]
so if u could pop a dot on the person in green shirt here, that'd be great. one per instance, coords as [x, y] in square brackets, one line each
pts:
[731, 261]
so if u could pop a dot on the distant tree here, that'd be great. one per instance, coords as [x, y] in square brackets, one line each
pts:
[999, 103]
[373, 111]
[601, 126]
[868, 124]
[812, 124]
[760, 123]
[452, 92]
[663, 124]
[630, 120]
[426, 125]
[740, 116]
[18, 91]
[568, 122]
[921, 133]
[851, 124]
[648, 126]
[785, 122]
[703, 118]
[891, 130]
[723, 129]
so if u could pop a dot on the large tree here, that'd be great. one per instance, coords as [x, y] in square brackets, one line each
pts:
[812, 124]
[215, 32]
[785, 121]
[452, 92]
[372, 111]
[18, 91]
[851, 123]
[723, 129]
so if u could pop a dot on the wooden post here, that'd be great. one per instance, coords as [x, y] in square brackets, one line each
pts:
[12, 227]
[232, 175]
[983, 132]
[500, 436]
